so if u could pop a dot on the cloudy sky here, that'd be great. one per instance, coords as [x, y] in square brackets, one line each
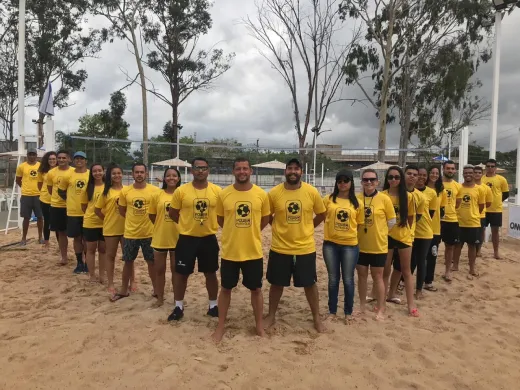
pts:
[251, 102]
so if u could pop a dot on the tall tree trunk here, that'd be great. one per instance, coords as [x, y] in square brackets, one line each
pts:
[175, 118]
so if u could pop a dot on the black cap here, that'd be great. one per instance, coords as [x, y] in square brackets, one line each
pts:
[344, 173]
[293, 161]
[32, 151]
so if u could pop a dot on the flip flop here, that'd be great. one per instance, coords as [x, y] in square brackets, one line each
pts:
[370, 299]
[414, 313]
[446, 279]
[117, 297]
[430, 287]
[395, 301]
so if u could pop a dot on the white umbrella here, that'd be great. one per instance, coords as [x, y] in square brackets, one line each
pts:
[275, 164]
[377, 166]
[174, 162]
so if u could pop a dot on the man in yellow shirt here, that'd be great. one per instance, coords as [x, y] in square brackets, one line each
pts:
[58, 210]
[296, 208]
[471, 200]
[449, 222]
[242, 212]
[478, 172]
[193, 208]
[71, 190]
[134, 204]
[27, 180]
[500, 190]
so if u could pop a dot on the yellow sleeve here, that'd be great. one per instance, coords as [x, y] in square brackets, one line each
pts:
[411, 206]
[504, 187]
[100, 203]
[153, 203]
[360, 217]
[84, 198]
[220, 205]
[319, 207]
[122, 198]
[482, 196]
[40, 177]
[176, 199]
[271, 203]
[433, 203]
[64, 183]
[489, 194]
[459, 194]
[444, 199]
[19, 171]
[50, 178]
[389, 208]
[266, 207]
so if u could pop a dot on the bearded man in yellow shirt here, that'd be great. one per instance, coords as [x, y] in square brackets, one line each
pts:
[296, 208]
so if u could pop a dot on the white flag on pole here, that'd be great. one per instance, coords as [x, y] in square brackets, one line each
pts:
[47, 103]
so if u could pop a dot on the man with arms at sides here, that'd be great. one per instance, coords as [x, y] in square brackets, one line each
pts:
[293, 250]
[27, 180]
[134, 204]
[449, 223]
[193, 208]
[71, 189]
[243, 211]
[477, 174]
[500, 190]
[471, 200]
[58, 210]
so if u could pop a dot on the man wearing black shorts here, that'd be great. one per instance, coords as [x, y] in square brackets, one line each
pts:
[293, 250]
[193, 208]
[242, 211]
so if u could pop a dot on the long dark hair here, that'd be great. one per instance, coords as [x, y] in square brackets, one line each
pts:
[403, 194]
[108, 177]
[164, 185]
[44, 164]
[92, 182]
[351, 193]
[439, 187]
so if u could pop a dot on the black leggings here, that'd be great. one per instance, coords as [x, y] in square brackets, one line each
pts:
[46, 211]
[419, 253]
[431, 259]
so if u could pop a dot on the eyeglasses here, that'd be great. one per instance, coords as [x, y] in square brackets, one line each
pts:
[369, 179]
[343, 181]
[491, 166]
[393, 177]
[200, 168]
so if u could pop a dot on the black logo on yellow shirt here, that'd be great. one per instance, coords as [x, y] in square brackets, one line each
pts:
[80, 184]
[466, 199]
[489, 184]
[449, 193]
[200, 209]
[167, 212]
[369, 216]
[294, 211]
[139, 206]
[243, 214]
[342, 220]
[33, 173]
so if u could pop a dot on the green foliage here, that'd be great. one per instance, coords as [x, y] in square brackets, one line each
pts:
[8, 73]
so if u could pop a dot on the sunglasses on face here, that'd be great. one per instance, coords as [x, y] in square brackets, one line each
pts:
[343, 181]
[490, 166]
[200, 169]
[369, 179]
[394, 177]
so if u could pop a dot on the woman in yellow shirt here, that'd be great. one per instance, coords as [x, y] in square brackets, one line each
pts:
[400, 236]
[92, 224]
[165, 234]
[48, 162]
[340, 245]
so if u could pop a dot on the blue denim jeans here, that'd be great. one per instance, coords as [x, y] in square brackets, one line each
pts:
[342, 257]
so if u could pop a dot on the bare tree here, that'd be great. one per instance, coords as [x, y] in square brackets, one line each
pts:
[304, 33]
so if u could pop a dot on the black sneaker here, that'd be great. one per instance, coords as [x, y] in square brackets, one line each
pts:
[85, 268]
[78, 269]
[213, 312]
[176, 314]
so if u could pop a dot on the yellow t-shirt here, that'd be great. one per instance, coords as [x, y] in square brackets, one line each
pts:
[424, 228]
[442, 201]
[489, 198]
[29, 175]
[196, 207]
[114, 223]
[342, 220]
[293, 226]
[402, 233]
[91, 220]
[76, 185]
[45, 197]
[452, 189]
[54, 178]
[498, 184]
[165, 234]
[468, 212]
[373, 233]
[137, 203]
[242, 211]
[420, 208]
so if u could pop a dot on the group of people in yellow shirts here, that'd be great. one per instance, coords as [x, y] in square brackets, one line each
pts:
[389, 233]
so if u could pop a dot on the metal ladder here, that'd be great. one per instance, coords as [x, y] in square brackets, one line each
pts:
[14, 203]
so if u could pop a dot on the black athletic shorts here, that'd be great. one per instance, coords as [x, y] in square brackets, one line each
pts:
[58, 219]
[470, 235]
[494, 219]
[203, 249]
[30, 205]
[450, 232]
[131, 249]
[93, 234]
[482, 222]
[74, 227]
[302, 268]
[252, 273]
[395, 244]
[163, 250]
[372, 259]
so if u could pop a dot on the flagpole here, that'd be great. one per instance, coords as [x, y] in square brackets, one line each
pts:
[21, 77]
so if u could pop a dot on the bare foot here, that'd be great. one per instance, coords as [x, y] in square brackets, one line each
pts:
[379, 316]
[158, 303]
[218, 334]
[362, 309]
[349, 319]
[356, 314]
[497, 256]
[260, 331]
[269, 321]
[134, 287]
[111, 291]
[473, 275]
[418, 294]
[454, 269]
[320, 328]
[447, 277]
[330, 317]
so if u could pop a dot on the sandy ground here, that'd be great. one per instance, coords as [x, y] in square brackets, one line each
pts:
[57, 331]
